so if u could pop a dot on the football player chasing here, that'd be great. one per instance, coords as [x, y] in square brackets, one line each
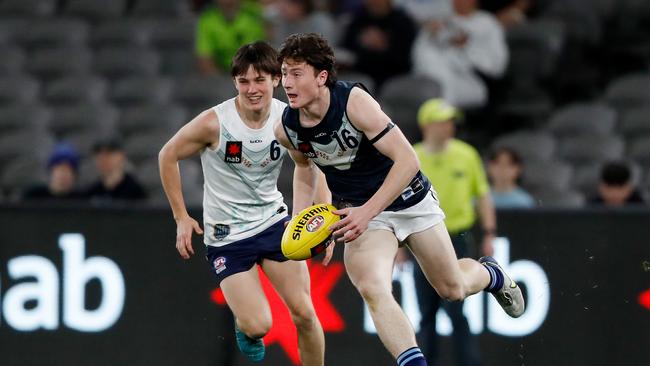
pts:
[243, 212]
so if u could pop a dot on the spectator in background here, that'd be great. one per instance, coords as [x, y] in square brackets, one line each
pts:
[379, 39]
[422, 11]
[460, 52]
[62, 167]
[456, 173]
[344, 7]
[114, 183]
[616, 188]
[222, 29]
[504, 168]
[298, 16]
[511, 12]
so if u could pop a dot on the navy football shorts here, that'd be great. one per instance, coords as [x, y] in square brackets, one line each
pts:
[240, 256]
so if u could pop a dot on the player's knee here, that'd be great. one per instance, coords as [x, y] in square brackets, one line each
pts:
[255, 326]
[373, 292]
[451, 292]
[303, 317]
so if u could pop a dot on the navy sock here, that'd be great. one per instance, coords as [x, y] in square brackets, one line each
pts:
[496, 278]
[411, 357]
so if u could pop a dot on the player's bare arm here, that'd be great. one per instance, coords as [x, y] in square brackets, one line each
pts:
[201, 132]
[366, 114]
[305, 175]
[309, 184]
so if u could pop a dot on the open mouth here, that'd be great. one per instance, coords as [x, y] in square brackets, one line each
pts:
[254, 100]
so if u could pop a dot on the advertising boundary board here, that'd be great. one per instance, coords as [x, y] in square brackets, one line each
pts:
[86, 286]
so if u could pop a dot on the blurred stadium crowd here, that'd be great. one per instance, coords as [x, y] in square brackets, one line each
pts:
[99, 86]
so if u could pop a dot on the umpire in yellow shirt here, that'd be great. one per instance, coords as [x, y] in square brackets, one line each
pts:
[456, 172]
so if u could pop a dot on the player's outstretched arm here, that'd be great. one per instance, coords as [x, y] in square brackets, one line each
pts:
[366, 114]
[201, 132]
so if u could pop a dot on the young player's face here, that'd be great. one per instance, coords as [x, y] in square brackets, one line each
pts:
[301, 83]
[255, 89]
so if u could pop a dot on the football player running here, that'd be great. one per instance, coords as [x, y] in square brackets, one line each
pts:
[243, 211]
[373, 174]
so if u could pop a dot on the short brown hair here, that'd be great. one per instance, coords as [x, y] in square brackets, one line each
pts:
[312, 49]
[258, 54]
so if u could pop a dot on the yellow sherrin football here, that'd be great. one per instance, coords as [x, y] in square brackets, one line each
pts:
[307, 234]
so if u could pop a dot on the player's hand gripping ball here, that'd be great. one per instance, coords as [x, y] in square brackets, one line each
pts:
[307, 234]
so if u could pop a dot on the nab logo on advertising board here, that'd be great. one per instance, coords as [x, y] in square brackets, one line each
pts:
[43, 290]
[525, 272]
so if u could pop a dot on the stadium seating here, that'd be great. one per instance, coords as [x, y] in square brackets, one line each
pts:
[161, 8]
[57, 32]
[402, 106]
[629, 91]
[12, 60]
[20, 173]
[121, 33]
[531, 145]
[116, 62]
[148, 118]
[18, 88]
[51, 63]
[148, 174]
[535, 48]
[635, 122]
[586, 176]
[21, 144]
[24, 117]
[541, 175]
[94, 10]
[99, 117]
[526, 104]
[136, 90]
[639, 150]
[79, 69]
[198, 93]
[166, 34]
[28, 8]
[406, 104]
[583, 119]
[591, 148]
[75, 90]
[141, 147]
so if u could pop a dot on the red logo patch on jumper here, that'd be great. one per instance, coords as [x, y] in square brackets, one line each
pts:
[219, 264]
[233, 152]
[315, 223]
[306, 149]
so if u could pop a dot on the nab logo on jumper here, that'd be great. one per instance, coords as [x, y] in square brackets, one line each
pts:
[233, 152]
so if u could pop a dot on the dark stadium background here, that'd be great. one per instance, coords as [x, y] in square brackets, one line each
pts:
[128, 67]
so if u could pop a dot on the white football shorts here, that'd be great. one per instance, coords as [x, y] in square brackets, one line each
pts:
[417, 218]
